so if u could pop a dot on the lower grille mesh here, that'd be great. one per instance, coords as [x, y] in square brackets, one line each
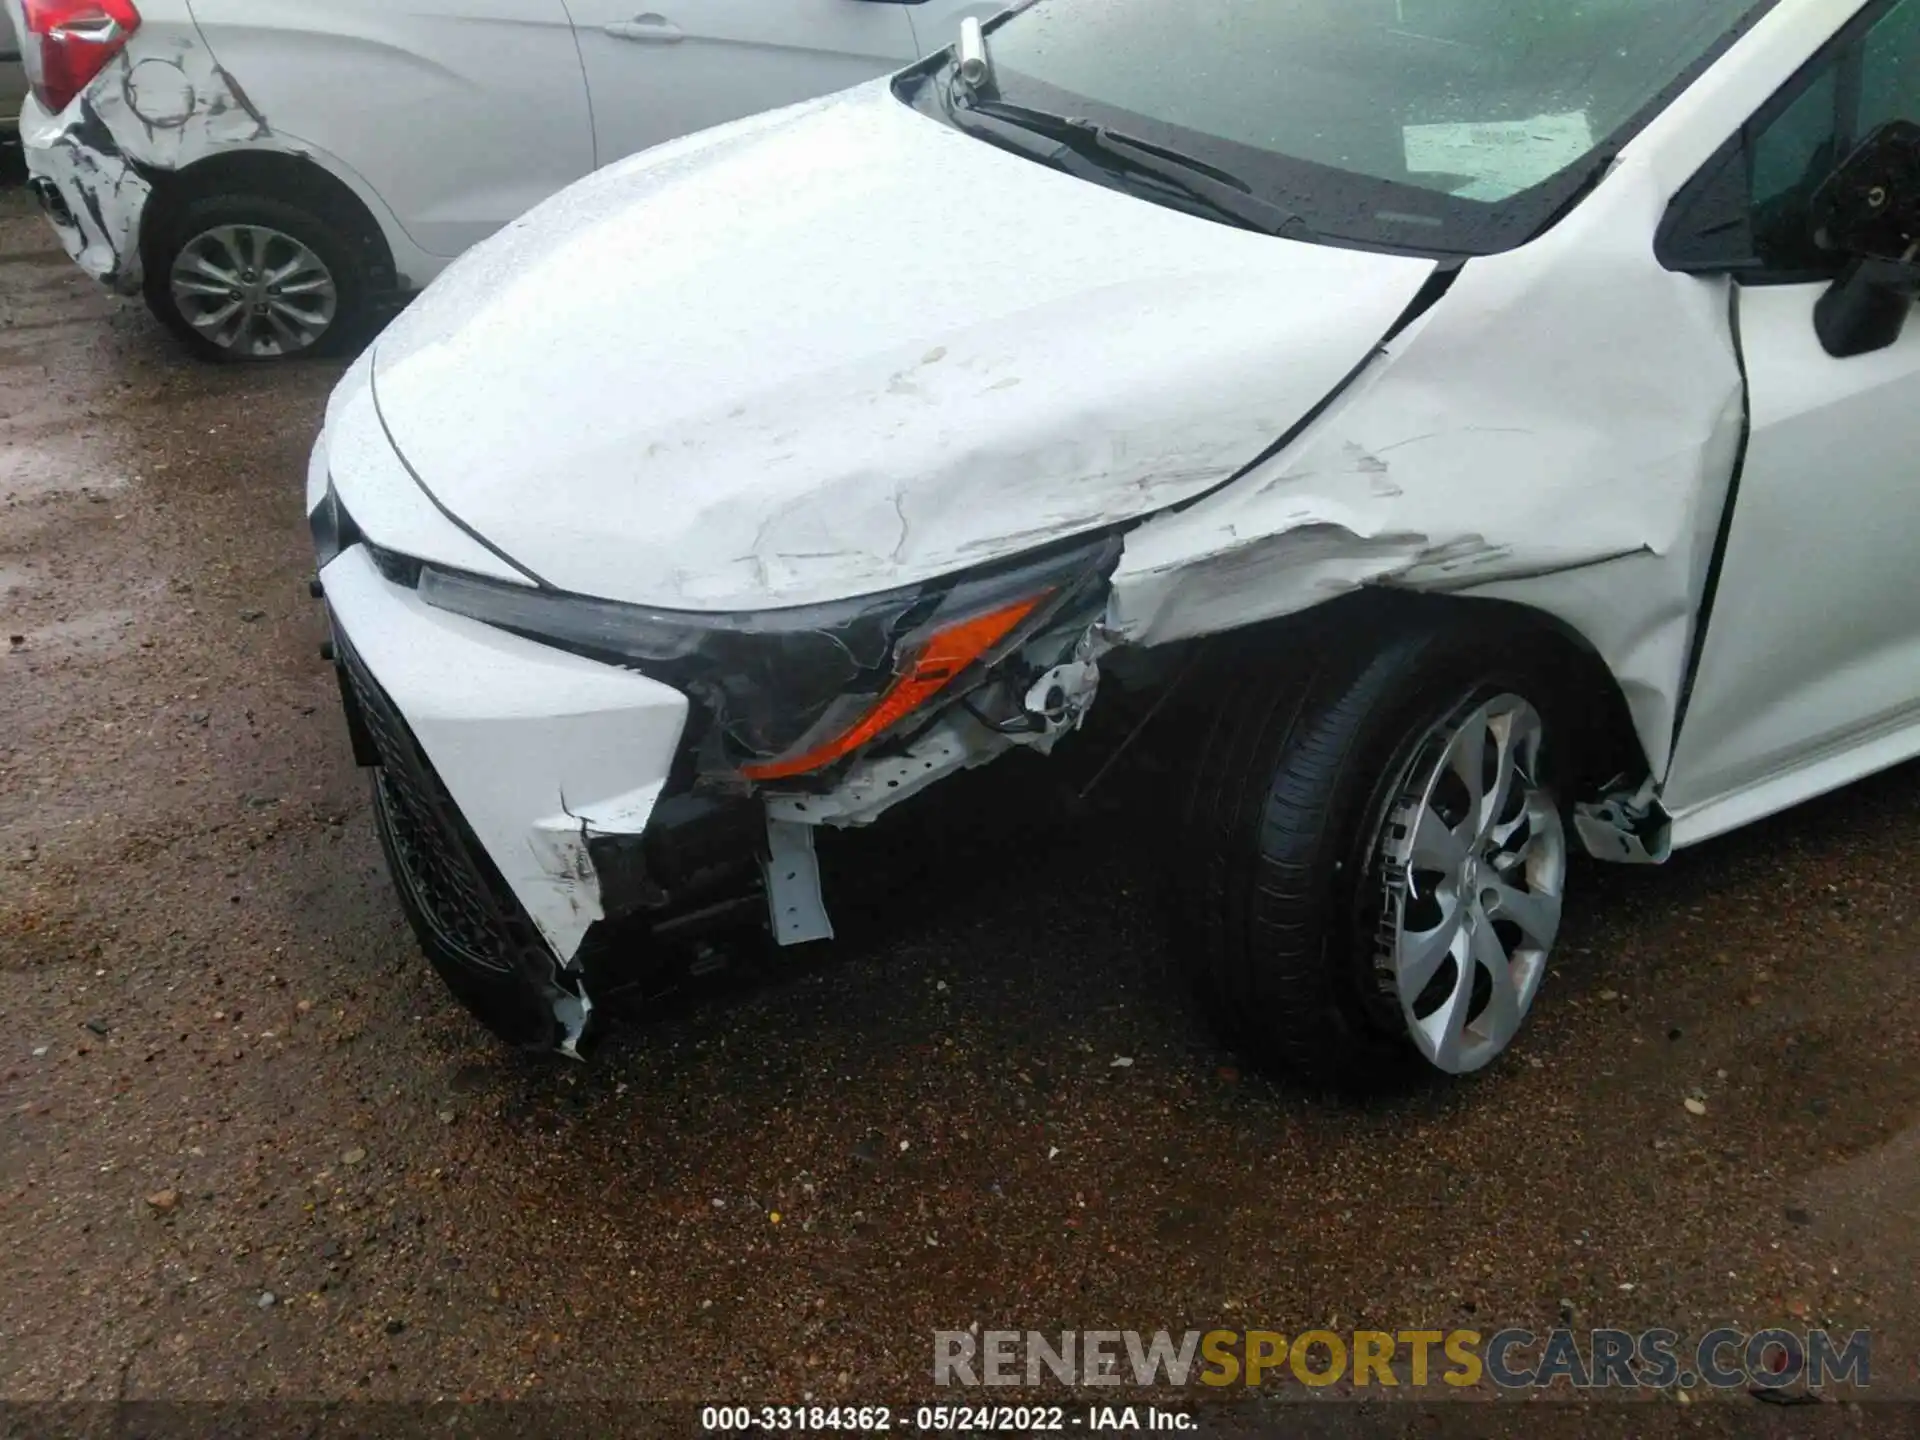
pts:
[449, 877]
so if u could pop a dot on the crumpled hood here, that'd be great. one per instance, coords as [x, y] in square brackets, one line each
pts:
[843, 347]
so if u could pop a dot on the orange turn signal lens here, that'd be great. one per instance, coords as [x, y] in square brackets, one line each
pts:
[940, 661]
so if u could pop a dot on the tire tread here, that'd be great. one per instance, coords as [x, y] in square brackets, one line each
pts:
[1271, 845]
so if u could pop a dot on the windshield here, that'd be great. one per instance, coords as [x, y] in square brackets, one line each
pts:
[1452, 126]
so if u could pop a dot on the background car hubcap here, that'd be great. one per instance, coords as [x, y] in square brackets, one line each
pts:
[1475, 856]
[254, 291]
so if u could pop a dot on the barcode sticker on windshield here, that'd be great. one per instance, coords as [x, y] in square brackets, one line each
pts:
[1501, 157]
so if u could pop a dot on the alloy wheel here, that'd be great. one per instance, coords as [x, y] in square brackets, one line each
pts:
[254, 291]
[1474, 856]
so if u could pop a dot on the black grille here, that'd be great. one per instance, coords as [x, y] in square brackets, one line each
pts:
[452, 884]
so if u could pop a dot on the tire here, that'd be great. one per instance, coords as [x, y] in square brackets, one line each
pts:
[205, 227]
[1289, 833]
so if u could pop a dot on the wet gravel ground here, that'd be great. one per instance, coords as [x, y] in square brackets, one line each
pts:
[250, 1149]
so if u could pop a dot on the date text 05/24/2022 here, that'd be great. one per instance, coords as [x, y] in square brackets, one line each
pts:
[955, 1419]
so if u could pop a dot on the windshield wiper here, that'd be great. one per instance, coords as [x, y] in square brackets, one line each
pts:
[1114, 152]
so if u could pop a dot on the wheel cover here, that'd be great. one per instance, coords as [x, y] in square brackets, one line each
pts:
[254, 291]
[1474, 855]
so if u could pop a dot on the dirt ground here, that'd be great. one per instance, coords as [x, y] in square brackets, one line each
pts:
[249, 1149]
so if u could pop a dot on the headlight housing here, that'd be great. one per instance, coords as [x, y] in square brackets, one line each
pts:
[792, 692]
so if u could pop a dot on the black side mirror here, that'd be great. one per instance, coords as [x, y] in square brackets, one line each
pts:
[1869, 211]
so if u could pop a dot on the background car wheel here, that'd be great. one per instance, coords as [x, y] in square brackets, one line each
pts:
[252, 278]
[1374, 853]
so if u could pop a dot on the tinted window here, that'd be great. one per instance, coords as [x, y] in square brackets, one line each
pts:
[1890, 69]
[1858, 89]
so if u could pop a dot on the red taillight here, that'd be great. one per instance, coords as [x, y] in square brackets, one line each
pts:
[69, 42]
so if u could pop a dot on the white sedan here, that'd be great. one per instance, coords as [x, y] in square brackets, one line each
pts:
[1498, 417]
[271, 174]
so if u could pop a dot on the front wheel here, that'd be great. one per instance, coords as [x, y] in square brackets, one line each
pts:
[1472, 863]
[253, 278]
[1376, 855]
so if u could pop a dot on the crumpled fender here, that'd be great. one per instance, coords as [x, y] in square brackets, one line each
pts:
[1558, 430]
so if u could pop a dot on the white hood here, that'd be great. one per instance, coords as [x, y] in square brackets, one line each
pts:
[844, 347]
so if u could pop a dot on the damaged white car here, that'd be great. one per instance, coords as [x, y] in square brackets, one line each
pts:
[1497, 418]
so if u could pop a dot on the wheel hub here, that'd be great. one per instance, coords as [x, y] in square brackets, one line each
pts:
[1475, 855]
[254, 291]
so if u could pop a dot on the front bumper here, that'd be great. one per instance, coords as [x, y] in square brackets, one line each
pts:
[546, 814]
[510, 766]
[91, 193]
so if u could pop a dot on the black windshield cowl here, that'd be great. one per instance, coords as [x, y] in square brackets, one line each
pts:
[1092, 151]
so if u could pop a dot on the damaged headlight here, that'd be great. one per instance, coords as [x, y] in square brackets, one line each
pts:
[791, 692]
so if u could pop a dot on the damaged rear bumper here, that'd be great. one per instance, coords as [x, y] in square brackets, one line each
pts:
[90, 192]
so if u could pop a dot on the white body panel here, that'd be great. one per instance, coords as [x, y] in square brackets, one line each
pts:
[1814, 646]
[657, 69]
[1809, 777]
[372, 481]
[460, 113]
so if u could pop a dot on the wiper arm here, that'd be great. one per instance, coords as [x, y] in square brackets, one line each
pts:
[1072, 127]
[1025, 140]
[1220, 190]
